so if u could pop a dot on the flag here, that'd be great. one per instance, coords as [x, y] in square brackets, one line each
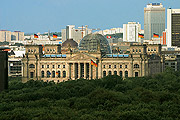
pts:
[93, 63]
[55, 36]
[56, 73]
[155, 35]
[49, 73]
[140, 35]
[108, 37]
[35, 36]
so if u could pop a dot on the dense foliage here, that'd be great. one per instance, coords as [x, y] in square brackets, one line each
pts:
[145, 98]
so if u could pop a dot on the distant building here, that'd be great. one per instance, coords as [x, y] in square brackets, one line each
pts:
[173, 27]
[5, 36]
[154, 20]
[76, 34]
[110, 31]
[3, 70]
[17, 36]
[130, 32]
[8, 36]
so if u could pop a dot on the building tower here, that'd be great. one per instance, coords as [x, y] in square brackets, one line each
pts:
[173, 27]
[154, 20]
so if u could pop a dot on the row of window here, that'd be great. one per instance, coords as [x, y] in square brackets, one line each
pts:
[120, 66]
[53, 74]
[50, 49]
[53, 66]
[115, 73]
[31, 50]
[48, 66]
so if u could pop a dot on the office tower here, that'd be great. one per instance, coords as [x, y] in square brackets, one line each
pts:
[130, 32]
[3, 70]
[154, 20]
[173, 27]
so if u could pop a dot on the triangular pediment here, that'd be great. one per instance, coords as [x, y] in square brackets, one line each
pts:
[82, 56]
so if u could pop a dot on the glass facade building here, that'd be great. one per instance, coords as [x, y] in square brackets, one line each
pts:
[154, 20]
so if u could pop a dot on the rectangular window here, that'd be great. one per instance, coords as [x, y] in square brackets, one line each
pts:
[64, 66]
[109, 66]
[104, 66]
[42, 66]
[53, 66]
[114, 66]
[120, 66]
[125, 66]
[59, 66]
[47, 66]
[31, 74]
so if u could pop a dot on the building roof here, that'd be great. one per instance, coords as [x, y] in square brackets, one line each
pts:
[70, 43]
[93, 42]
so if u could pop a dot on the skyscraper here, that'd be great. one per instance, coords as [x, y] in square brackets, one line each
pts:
[173, 27]
[154, 20]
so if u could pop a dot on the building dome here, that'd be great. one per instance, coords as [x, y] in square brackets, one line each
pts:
[92, 42]
[69, 43]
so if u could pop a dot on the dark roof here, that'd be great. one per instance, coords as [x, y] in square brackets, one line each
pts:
[70, 43]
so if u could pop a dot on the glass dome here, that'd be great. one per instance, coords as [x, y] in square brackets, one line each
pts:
[92, 42]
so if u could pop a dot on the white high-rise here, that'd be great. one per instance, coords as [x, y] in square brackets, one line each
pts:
[76, 34]
[173, 27]
[130, 32]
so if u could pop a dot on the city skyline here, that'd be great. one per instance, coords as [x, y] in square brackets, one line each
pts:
[40, 16]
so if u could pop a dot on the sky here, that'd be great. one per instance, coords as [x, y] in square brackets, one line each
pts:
[32, 16]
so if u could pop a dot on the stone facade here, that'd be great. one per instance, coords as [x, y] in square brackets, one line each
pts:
[47, 63]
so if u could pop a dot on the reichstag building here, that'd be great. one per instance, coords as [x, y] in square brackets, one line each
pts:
[71, 61]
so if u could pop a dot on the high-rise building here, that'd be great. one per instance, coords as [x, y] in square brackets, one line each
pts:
[8, 36]
[76, 34]
[154, 20]
[5, 36]
[17, 36]
[130, 32]
[173, 27]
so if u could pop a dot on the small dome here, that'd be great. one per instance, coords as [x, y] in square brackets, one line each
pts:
[93, 42]
[70, 43]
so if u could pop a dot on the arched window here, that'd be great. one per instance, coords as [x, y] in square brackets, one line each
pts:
[42, 74]
[48, 74]
[109, 73]
[115, 72]
[136, 66]
[120, 73]
[53, 74]
[31, 66]
[126, 73]
[104, 73]
[64, 74]
[139, 50]
[59, 74]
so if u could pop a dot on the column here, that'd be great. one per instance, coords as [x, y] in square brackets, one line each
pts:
[79, 70]
[85, 70]
[69, 71]
[73, 76]
[90, 71]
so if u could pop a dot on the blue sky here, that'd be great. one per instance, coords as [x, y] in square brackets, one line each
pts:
[31, 16]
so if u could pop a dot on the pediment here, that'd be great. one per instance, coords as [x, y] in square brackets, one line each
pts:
[82, 56]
